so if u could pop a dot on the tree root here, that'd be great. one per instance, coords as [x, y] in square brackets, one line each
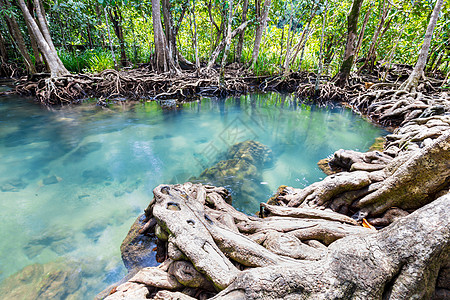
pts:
[136, 84]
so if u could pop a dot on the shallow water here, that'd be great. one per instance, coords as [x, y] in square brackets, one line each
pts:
[73, 180]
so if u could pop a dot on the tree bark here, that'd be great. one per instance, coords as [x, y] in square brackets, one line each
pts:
[240, 44]
[43, 39]
[371, 266]
[350, 47]
[262, 22]
[413, 80]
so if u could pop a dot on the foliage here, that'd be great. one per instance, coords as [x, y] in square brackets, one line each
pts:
[81, 24]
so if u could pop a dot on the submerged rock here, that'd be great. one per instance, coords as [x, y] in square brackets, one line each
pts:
[13, 185]
[97, 175]
[137, 248]
[59, 241]
[241, 170]
[82, 152]
[55, 280]
[50, 180]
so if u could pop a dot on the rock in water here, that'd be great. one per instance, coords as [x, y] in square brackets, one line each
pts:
[241, 170]
[13, 185]
[54, 280]
[137, 248]
[50, 180]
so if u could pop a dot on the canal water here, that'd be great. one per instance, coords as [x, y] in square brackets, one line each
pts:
[73, 179]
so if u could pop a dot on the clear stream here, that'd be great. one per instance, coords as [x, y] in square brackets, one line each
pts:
[74, 179]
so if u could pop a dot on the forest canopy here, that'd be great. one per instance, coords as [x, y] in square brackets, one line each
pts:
[90, 36]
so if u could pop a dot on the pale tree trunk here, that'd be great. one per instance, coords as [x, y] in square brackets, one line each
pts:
[110, 41]
[42, 23]
[221, 46]
[319, 72]
[288, 42]
[413, 80]
[371, 55]
[302, 43]
[227, 39]
[17, 38]
[43, 39]
[194, 40]
[240, 44]
[350, 47]
[262, 22]
[361, 34]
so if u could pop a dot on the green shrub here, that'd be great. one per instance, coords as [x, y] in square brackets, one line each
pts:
[101, 61]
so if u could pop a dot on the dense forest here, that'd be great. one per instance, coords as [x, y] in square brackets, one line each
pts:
[269, 37]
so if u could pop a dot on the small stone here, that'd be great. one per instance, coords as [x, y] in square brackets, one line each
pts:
[50, 180]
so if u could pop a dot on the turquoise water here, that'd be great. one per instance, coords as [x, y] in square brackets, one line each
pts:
[74, 179]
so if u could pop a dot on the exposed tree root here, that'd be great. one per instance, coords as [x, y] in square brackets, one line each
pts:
[289, 256]
[136, 84]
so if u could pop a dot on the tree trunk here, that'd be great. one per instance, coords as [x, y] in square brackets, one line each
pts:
[371, 54]
[170, 32]
[227, 40]
[287, 58]
[350, 47]
[111, 46]
[42, 23]
[413, 80]
[43, 39]
[240, 44]
[39, 63]
[17, 38]
[163, 60]
[116, 19]
[194, 40]
[262, 22]
[3, 52]
[222, 45]
[361, 34]
[319, 72]
[302, 43]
